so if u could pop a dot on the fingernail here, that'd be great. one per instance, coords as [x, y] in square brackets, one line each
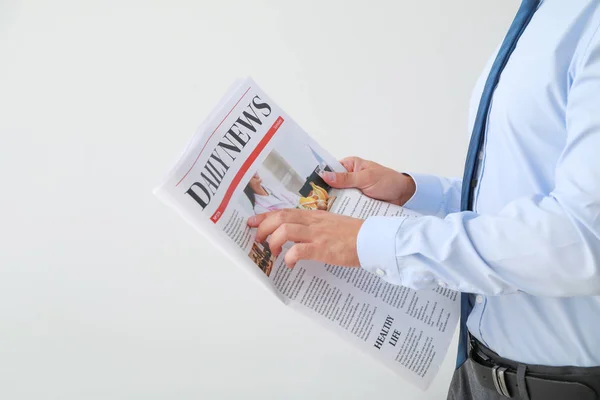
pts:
[252, 220]
[329, 176]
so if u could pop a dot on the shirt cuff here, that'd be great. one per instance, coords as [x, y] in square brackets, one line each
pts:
[376, 247]
[429, 197]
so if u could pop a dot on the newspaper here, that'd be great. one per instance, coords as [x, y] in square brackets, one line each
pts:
[250, 157]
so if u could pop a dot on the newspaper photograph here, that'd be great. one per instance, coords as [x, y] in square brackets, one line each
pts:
[249, 157]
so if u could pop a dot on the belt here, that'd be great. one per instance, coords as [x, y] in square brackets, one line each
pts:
[522, 381]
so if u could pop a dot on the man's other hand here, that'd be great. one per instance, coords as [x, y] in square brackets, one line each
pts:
[374, 180]
[318, 235]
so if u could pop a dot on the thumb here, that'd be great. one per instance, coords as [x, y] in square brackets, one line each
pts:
[341, 180]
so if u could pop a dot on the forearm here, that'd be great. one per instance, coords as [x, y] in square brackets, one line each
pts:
[536, 245]
[434, 195]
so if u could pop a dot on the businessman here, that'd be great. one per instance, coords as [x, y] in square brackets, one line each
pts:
[519, 235]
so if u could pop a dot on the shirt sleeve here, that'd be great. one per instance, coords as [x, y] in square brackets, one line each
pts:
[435, 195]
[543, 244]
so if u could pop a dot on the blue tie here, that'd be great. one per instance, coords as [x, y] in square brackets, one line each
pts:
[469, 182]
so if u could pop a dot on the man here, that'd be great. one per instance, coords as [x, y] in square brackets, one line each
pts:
[519, 235]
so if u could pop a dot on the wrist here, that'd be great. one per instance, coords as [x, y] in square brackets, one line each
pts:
[409, 187]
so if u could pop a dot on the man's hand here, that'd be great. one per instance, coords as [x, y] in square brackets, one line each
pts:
[318, 235]
[373, 180]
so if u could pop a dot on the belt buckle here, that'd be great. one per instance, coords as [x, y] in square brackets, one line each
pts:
[499, 381]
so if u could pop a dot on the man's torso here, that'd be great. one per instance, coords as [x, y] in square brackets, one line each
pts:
[525, 138]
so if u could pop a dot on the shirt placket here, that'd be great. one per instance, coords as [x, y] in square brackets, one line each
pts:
[479, 301]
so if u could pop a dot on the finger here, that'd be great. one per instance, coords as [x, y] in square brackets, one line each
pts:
[342, 180]
[288, 233]
[256, 220]
[300, 251]
[273, 220]
[354, 164]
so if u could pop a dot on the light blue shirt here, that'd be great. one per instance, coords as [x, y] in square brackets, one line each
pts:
[531, 248]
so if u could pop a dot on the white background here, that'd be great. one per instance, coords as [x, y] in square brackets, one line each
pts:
[107, 294]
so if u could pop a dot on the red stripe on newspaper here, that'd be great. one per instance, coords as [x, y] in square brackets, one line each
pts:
[211, 135]
[244, 168]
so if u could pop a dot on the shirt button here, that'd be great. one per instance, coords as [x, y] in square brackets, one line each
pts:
[479, 299]
[442, 284]
[380, 272]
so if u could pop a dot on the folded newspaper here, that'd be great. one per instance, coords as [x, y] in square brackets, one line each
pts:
[250, 157]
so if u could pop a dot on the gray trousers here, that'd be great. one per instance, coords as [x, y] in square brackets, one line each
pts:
[464, 386]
